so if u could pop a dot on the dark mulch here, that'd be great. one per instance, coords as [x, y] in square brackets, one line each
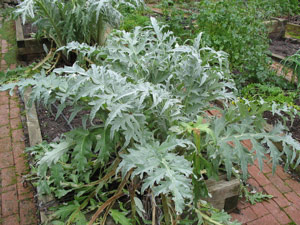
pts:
[295, 19]
[284, 47]
[52, 129]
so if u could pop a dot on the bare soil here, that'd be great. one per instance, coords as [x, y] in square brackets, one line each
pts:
[284, 47]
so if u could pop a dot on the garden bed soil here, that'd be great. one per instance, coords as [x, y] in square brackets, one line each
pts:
[284, 47]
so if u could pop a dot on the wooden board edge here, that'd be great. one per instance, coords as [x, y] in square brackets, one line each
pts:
[19, 30]
[35, 137]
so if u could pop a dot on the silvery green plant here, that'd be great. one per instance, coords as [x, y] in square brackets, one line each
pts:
[81, 20]
[152, 139]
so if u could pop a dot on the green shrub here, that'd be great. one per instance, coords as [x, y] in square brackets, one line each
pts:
[235, 27]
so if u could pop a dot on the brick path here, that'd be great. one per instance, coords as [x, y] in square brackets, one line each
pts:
[17, 205]
[283, 208]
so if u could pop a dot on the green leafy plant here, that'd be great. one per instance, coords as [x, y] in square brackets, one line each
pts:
[236, 28]
[253, 196]
[80, 20]
[293, 62]
[270, 94]
[151, 149]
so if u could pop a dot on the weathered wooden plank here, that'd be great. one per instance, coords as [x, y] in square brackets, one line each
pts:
[19, 30]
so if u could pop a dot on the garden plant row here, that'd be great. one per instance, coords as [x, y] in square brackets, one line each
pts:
[146, 146]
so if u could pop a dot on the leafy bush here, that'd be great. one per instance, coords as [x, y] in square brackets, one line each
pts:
[80, 20]
[293, 62]
[236, 28]
[153, 146]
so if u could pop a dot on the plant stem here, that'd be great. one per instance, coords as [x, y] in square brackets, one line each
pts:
[165, 209]
[153, 209]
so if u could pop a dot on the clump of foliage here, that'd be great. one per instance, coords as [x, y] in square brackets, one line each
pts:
[254, 196]
[236, 28]
[75, 20]
[134, 18]
[154, 146]
[293, 62]
[270, 8]
[270, 94]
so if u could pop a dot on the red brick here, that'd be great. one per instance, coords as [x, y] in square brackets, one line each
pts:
[265, 169]
[5, 144]
[242, 203]
[28, 212]
[294, 198]
[21, 166]
[14, 112]
[9, 203]
[266, 220]
[275, 210]
[245, 216]
[278, 182]
[6, 160]
[4, 100]
[14, 103]
[17, 135]
[18, 150]
[283, 175]
[247, 144]
[260, 210]
[4, 131]
[293, 213]
[3, 93]
[9, 188]
[16, 123]
[4, 119]
[278, 197]
[8, 176]
[216, 113]
[258, 176]
[294, 185]
[11, 220]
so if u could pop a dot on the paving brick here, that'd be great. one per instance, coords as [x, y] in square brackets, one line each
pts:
[16, 123]
[9, 188]
[293, 213]
[4, 119]
[294, 185]
[11, 220]
[14, 103]
[279, 183]
[265, 169]
[17, 135]
[5, 144]
[14, 112]
[294, 198]
[278, 197]
[259, 209]
[28, 212]
[9, 203]
[266, 220]
[8, 176]
[283, 175]
[6, 160]
[4, 131]
[18, 150]
[275, 210]
[247, 144]
[242, 203]
[21, 166]
[4, 100]
[246, 215]
[3, 93]
[258, 176]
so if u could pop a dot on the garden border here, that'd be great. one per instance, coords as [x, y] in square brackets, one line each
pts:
[35, 137]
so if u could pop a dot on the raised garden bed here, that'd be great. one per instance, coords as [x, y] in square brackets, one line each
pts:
[28, 47]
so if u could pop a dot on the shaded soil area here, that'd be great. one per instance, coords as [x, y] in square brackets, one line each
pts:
[295, 19]
[28, 29]
[52, 129]
[294, 127]
[284, 47]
